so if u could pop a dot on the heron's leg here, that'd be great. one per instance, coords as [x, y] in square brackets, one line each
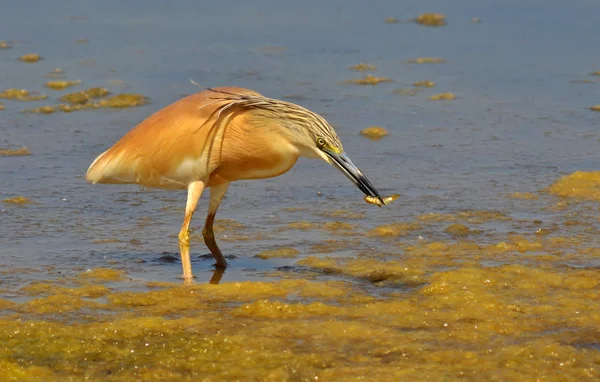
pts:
[194, 192]
[216, 195]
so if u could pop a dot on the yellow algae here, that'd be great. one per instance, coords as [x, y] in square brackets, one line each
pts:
[70, 108]
[441, 254]
[31, 57]
[234, 291]
[286, 252]
[523, 195]
[22, 95]
[87, 291]
[123, 100]
[103, 274]
[363, 67]
[15, 152]
[18, 200]
[431, 19]
[56, 73]
[4, 44]
[340, 228]
[106, 241]
[374, 132]
[516, 243]
[427, 60]
[278, 309]
[372, 270]
[424, 84]
[238, 237]
[60, 85]
[160, 302]
[442, 97]
[56, 304]
[302, 225]
[83, 97]
[294, 209]
[84, 100]
[473, 217]
[369, 80]
[391, 20]
[543, 231]
[96, 92]
[224, 225]
[407, 91]
[1, 106]
[395, 229]
[470, 322]
[6, 304]
[41, 110]
[595, 108]
[458, 230]
[82, 41]
[15, 371]
[341, 214]
[596, 73]
[77, 98]
[578, 185]
[333, 245]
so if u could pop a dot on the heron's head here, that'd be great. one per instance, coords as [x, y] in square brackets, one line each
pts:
[308, 132]
[325, 144]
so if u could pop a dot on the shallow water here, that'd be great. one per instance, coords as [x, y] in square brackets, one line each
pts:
[508, 293]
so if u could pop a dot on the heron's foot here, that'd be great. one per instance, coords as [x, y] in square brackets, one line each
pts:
[190, 280]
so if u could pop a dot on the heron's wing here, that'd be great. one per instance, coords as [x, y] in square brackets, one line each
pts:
[169, 149]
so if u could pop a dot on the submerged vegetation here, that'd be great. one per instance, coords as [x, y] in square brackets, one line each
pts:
[427, 60]
[431, 19]
[30, 58]
[442, 97]
[363, 67]
[60, 85]
[424, 84]
[18, 200]
[374, 132]
[23, 151]
[92, 98]
[22, 95]
[369, 80]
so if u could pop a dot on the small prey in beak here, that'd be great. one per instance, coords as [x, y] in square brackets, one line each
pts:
[345, 165]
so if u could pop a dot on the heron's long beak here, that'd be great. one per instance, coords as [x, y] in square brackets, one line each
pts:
[345, 165]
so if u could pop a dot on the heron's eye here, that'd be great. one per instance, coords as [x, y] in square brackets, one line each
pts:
[320, 142]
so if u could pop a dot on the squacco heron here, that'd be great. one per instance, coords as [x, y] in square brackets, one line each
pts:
[214, 137]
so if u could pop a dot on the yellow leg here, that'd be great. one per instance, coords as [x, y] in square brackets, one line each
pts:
[194, 192]
[216, 196]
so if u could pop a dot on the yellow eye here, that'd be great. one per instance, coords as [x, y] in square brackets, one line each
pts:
[320, 142]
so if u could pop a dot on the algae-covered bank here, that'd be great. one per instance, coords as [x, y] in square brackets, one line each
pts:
[468, 322]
